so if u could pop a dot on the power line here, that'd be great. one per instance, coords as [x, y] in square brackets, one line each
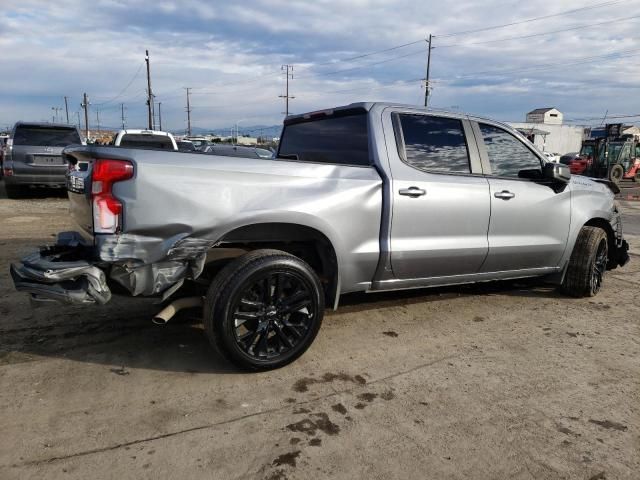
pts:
[577, 27]
[600, 118]
[535, 19]
[576, 61]
[135, 75]
[364, 55]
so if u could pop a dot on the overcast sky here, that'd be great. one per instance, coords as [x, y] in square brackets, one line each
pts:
[231, 54]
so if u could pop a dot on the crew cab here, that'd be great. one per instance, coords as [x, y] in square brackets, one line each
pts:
[365, 197]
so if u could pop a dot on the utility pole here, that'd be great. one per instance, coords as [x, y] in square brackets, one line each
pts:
[427, 85]
[149, 92]
[66, 107]
[188, 89]
[286, 69]
[85, 104]
[55, 116]
[78, 115]
[98, 118]
[160, 114]
[122, 115]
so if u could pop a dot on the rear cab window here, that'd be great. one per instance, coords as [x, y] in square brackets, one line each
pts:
[44, 136]
[341, 138]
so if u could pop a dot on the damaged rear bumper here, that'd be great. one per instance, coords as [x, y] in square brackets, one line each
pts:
[75, 272]
[60, 273]
[76, 283]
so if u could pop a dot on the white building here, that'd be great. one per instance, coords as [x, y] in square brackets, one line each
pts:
[552, 138]
[548, 116]
[545, 130]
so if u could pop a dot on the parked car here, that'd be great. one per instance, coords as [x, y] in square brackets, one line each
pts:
[552, 157]
[567, 158]
[186, 146]
[154, 139]
[33, 156]
[237, 151]
[367, 197]
[199, 142]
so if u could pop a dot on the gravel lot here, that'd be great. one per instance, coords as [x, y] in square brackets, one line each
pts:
[505, 380]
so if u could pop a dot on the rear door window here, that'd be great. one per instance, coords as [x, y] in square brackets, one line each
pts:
[45, 136]
[342, 140]
[434, 144]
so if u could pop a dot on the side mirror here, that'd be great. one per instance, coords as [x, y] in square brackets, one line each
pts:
[558, 172]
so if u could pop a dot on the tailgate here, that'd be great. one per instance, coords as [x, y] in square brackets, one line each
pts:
[79, 189]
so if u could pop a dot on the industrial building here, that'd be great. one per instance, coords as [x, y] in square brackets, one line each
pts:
[545, 129]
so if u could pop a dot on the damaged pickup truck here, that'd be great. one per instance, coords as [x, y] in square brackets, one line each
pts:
[366, 197]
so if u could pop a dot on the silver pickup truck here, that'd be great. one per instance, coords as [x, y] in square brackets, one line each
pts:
[366, 197]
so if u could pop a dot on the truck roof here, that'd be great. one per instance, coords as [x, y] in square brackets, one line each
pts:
[45, 124]
[365, 107]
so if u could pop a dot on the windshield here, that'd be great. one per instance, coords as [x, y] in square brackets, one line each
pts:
[587, 151]
[45, 136]
[614, 151]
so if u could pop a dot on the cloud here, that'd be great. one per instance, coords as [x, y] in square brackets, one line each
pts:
[231, 53]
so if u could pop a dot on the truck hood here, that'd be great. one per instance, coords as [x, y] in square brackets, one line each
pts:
[595, 185]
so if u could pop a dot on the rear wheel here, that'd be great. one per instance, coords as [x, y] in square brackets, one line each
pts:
[588, 263]
[264, 309]
[616, 172]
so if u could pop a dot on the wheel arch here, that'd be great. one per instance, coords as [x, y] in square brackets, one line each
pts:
[305, 242]
[606, 226]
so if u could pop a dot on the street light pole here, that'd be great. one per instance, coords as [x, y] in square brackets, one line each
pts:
[237, 131]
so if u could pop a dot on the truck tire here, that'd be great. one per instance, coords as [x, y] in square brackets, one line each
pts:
[616, 172]
[587, 264]
[264, 309]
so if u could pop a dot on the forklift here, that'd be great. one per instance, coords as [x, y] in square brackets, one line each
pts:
[615, 156]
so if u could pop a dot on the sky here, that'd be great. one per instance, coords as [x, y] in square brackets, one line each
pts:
[495, 58]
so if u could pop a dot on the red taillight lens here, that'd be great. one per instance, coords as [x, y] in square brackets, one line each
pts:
[106, 207]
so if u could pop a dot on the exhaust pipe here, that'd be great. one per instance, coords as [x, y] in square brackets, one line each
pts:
[167, 313]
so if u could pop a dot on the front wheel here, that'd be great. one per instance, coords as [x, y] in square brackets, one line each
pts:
[616, 172]
[264, 309]
[587, 264]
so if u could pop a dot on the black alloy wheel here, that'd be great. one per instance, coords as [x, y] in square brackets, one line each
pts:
[599, 266]
[588, 263]
[264, 309]
[272, 314]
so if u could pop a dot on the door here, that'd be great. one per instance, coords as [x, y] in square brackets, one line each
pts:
[530, 216]
[440, 200]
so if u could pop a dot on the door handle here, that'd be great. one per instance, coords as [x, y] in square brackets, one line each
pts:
[412, 192]
[504, 195]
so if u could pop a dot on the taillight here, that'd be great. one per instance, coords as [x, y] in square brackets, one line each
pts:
[107, 209]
